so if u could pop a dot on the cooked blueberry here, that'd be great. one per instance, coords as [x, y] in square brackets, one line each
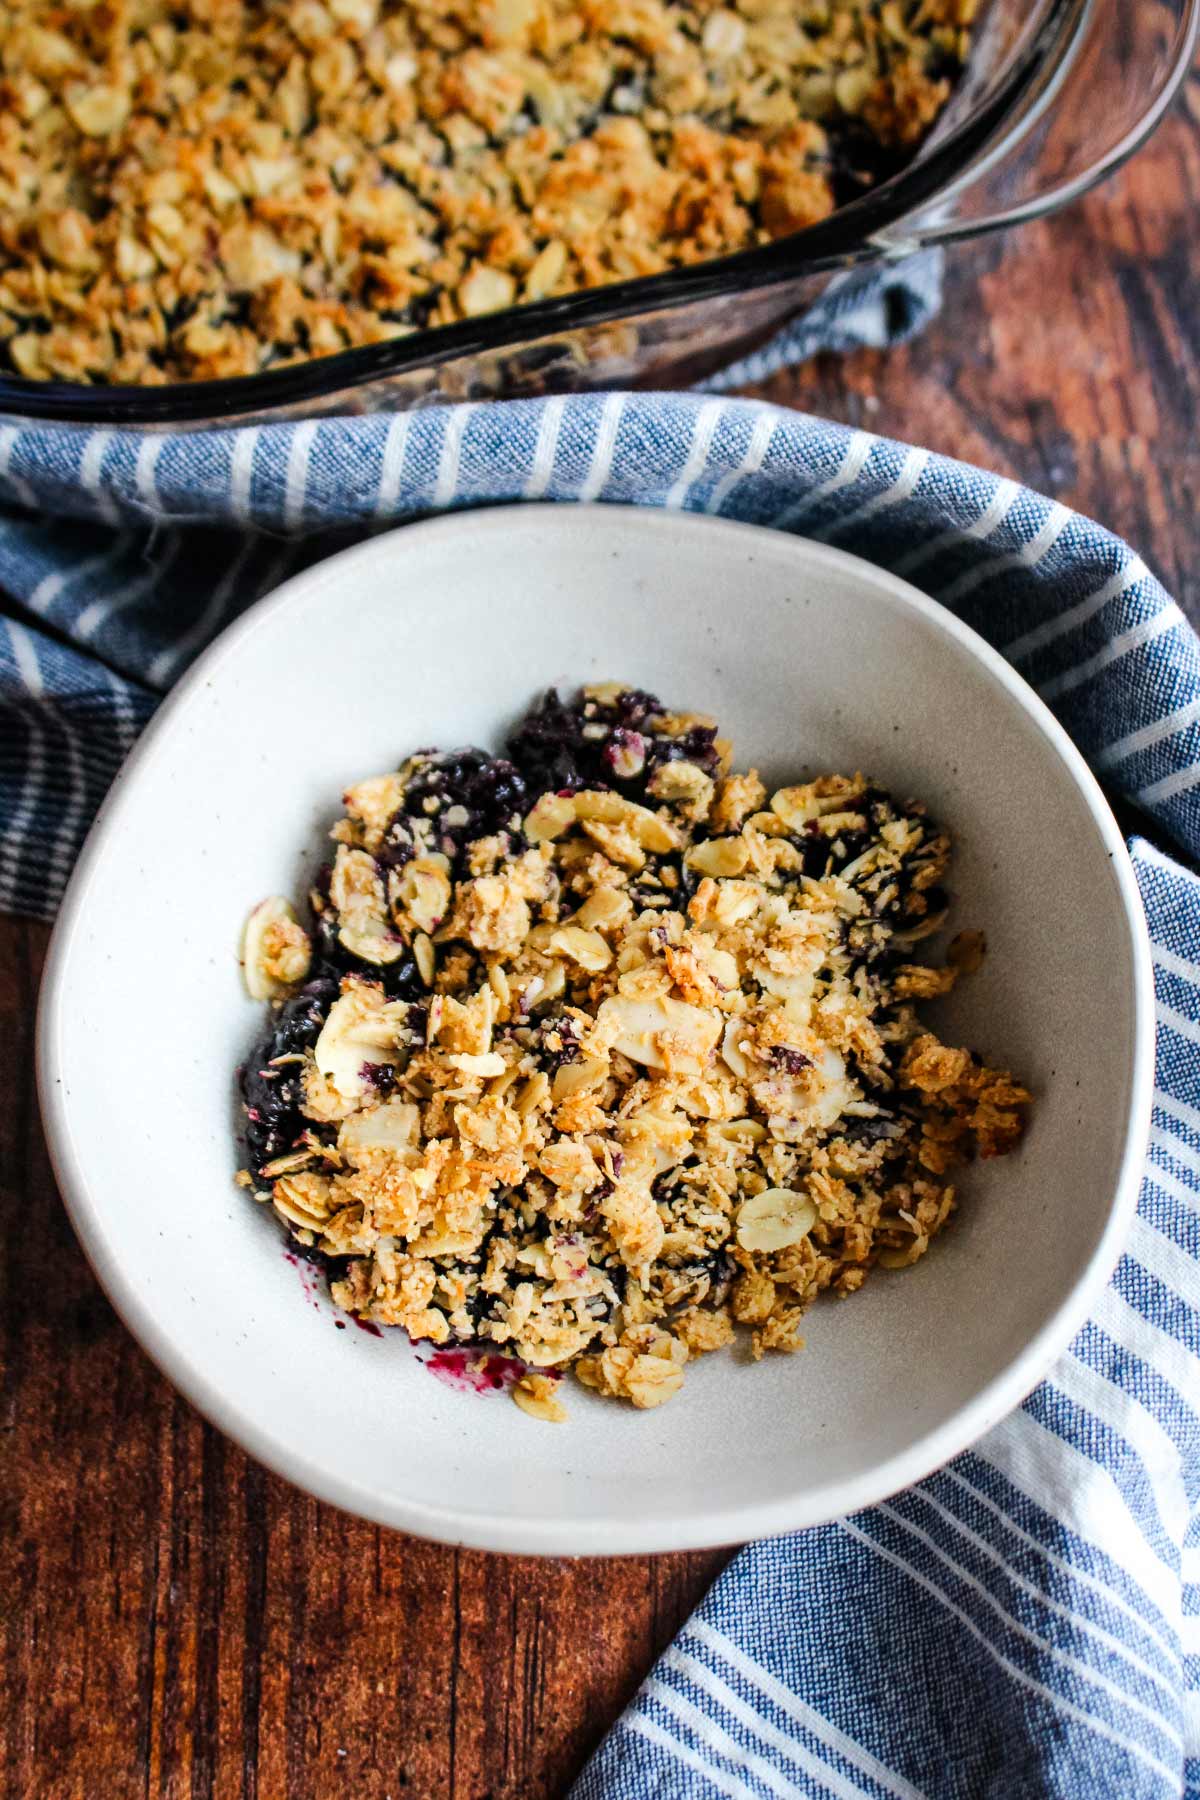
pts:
[271, 1091]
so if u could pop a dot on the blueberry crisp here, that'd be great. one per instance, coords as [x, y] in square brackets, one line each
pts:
[197, 189]
[595, 1052]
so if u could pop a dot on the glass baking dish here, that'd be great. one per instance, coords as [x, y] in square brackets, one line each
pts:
[1056, 94]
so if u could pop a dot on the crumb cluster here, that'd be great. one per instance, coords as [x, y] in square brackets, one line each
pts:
[599, 1051]
[193, 189]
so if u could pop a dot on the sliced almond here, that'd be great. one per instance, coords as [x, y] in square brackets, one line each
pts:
[68, 239]
[440, 1240]
[775, 1219]
[723, 856]
[100, 110]
[220, 190]
[769, 824]
[486, 290]
[392, 1128]
[25, 353]
[660, 1033]
[577, 1078]
[626, 754]
[498, 982]
[796, 806]
[554, 814]
[533, 1095]
[720, 964]
[479, 1020]
[605, 909]
[852, 87]
[360, 1029]
[587, 948]
[838, 1092]
[683, 781]
[651, 831]
[796, 988]
[48, 53]
[134, 261]
[549, 818]
[356, 886]
[359, 15]
[547, 269]
[724, 35]
[818, 1100]
[372, 941]
[420, 892]
[535, 1395]
[426, 958]
[618, 844]
[276, 952]
[733, 1054]
[651, 1380]
[732, 903]
[739, 1131]
[294, 1163]
[266, 173]
[490, 1063]
[306, 1200]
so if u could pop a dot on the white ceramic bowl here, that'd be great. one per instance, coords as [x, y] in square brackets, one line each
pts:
[441, 633]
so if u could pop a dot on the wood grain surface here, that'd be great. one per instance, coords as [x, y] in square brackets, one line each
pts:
[176, 1622]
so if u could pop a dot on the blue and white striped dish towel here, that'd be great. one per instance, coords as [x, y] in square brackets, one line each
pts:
[1026, 1623]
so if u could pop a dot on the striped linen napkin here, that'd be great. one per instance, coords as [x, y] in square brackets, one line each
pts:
[1027, 1621]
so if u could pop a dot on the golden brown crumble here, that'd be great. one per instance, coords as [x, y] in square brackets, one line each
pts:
[201, 188]
[658, 1071]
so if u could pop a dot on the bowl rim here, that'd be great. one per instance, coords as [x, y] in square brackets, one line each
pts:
[707, 1527]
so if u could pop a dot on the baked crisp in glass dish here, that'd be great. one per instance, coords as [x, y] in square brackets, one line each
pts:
[194, 189]
[595, 1052]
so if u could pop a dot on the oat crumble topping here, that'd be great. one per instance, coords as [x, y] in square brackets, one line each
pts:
[192, 189]
[598, 1051]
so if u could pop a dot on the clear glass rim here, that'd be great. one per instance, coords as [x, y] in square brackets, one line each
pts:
[848, 236]
[1072, 189]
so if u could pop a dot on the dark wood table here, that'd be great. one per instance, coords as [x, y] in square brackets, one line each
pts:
[176, 1622]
